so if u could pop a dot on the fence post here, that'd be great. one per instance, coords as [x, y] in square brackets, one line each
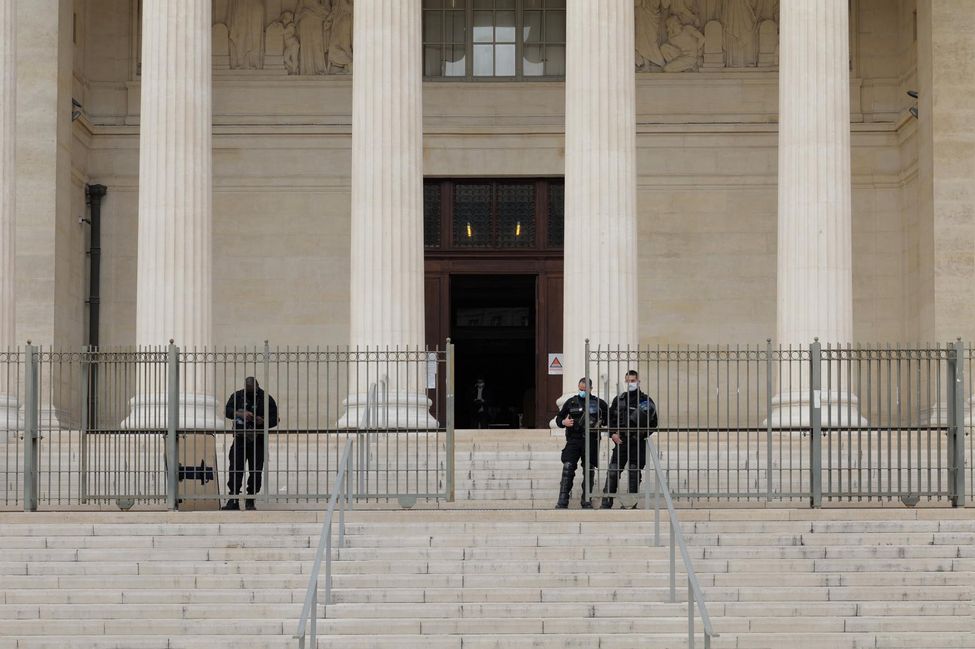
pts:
[451, 468]
[31, 411]
[587, 462]
[172, 426]
[86, 419]
[956, 424]
[815, 425]
[267, 412]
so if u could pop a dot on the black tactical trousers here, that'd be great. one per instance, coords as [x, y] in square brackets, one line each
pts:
[248, 446]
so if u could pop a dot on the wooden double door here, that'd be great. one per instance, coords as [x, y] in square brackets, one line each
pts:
[504, 315]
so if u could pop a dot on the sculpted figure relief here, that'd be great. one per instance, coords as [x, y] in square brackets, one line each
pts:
[340, 37]
[685, 47]
[648, 34]
[738, 20]
[309, 37]
[291, 45]
[245, 22]
[670, 34]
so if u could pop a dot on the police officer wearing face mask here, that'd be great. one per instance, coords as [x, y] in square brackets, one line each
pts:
[572, 417]
[632, 418]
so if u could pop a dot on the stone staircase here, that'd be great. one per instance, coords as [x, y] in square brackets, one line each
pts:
[473, 579]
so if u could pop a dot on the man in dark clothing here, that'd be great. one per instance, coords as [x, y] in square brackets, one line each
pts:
[632, 418]
[246, 408]
[572, 417]
[481, 398]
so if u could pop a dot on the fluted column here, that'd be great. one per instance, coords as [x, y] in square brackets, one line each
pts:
[8, 76]
[600, 181]
[387, 205]
[815, 272]
[175, 175]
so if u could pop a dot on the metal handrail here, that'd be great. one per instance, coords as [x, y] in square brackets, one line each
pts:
[694, 592]
[340, 494]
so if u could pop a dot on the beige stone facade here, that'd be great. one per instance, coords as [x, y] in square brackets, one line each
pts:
[706, 164]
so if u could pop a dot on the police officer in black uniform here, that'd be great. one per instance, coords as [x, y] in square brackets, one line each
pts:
[572, 417]
[246, 408]
[632, 418]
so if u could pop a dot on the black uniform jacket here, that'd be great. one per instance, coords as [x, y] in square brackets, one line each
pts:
[574, 407]
[253, 402]
[633, 413]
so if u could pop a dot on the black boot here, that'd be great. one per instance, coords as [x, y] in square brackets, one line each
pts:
[590, 479]
[231, 506]
[565, 485]
[612, 483]
[634, 479]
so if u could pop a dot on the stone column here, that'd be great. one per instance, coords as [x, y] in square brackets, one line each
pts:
[48, 311]
[943, 283]
[387, 209]
[600, 183]
[175, 242]
[9, 419]
[815, 276]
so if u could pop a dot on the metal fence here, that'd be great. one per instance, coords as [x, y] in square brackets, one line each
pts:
[159, 427]
[834, 423]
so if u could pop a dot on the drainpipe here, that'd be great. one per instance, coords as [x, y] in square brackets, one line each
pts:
[93, 196]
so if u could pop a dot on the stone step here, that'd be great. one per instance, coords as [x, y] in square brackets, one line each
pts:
[609, 550]
[483, 641]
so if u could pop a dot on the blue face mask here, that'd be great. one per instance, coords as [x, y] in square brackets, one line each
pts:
[582, 394]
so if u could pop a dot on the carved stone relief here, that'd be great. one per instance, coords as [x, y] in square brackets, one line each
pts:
[690, 35]
[298, 37]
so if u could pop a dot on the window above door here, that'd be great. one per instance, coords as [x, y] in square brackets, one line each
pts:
[493, 214]
[478, 40]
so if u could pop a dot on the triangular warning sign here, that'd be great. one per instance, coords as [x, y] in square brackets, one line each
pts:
[555, 364]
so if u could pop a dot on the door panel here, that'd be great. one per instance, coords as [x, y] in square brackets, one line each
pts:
[550, 310]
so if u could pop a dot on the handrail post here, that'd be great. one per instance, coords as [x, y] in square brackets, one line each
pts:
[651, 452]
[956, 431]
[314, 618]
[690, 614]
[673, 562]
[31, 434]
[172, 424]
[328, 569]
[815, 424]
[343, 502]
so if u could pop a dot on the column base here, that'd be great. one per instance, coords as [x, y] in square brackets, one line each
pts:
[11, 419]
[937, 415]
[396, 410]
[196, 412]
[791, 410]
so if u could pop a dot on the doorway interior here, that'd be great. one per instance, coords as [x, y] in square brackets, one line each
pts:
[493, 285]
[492, 326]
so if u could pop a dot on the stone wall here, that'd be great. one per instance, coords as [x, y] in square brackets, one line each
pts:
[706, 185]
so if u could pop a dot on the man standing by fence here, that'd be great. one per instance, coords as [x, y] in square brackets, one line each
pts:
[572, 417]
[246, 408]
[632, 418]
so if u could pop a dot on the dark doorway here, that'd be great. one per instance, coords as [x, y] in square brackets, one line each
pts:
[495, 245]
[492, 325]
